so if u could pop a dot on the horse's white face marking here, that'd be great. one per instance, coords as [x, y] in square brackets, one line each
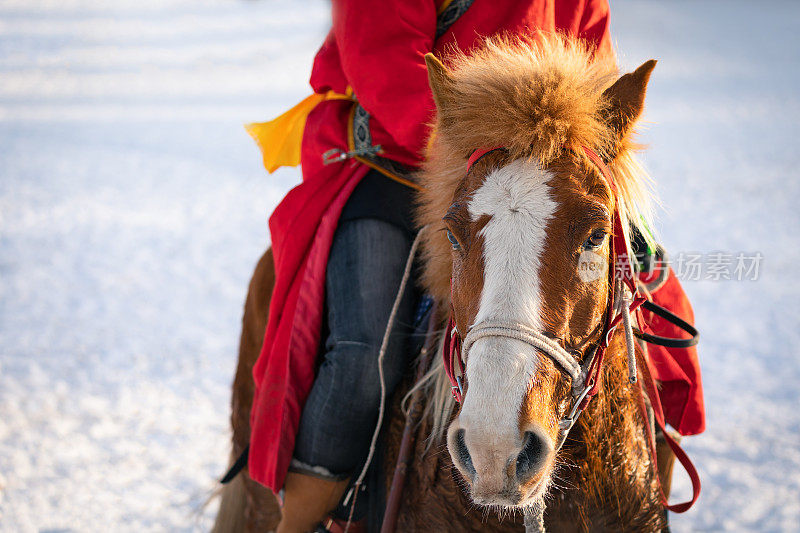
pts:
[499, 370]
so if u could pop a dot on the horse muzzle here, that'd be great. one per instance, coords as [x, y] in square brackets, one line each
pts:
[502, 470]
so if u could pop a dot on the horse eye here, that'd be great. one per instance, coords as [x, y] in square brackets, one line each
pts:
[453, 240]
[595, 240]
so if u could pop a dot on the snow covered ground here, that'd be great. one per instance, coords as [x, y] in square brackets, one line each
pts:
[133, 207]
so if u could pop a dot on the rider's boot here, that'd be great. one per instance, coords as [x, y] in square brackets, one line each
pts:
[307, 501]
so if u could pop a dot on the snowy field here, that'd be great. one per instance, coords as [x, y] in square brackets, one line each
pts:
[133, 207]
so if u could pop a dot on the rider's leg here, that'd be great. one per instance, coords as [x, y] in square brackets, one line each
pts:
[364, 270]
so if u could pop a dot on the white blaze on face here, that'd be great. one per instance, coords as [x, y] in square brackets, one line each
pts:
[517, 198]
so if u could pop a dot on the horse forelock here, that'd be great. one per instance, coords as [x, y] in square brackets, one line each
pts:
[534, 96]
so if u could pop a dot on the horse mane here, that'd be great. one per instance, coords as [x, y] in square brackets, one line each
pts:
[537, 97]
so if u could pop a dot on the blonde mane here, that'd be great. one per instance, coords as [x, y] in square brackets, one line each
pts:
[535, 97]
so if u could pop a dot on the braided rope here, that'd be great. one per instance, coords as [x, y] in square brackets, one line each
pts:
[527, 335]
[629, 342]
[534, 518]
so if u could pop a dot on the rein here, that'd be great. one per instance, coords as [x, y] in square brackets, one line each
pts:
[623, 299]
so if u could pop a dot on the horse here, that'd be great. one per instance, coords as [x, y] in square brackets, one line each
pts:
[555, 176]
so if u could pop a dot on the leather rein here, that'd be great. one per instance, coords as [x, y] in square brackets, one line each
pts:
[623, 299]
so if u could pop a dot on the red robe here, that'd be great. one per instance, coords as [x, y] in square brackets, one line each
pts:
[377, 49]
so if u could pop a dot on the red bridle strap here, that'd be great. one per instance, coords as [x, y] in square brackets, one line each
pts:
[451, 353]
[480, 152]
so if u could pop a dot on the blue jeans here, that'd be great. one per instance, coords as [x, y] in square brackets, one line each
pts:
[365, 267]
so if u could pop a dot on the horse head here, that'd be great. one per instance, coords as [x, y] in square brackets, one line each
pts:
[524, 240]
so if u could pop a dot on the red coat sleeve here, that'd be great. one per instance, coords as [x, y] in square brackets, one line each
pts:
[382, 45]
[595, 25]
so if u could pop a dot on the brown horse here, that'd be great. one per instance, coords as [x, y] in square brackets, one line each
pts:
[502, 245]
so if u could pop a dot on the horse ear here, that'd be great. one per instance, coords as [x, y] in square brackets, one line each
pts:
[626, 99]
[440, 81]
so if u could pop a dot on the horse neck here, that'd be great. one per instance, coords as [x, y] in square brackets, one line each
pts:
[610, 466]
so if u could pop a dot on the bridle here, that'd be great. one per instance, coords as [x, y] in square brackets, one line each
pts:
[623, 300]
[577, 372]
[585, 376]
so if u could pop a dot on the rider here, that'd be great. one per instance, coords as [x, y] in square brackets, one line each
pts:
[340, 239]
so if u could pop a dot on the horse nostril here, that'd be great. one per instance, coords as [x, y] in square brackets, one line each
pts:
[463, 453]
[530, 458]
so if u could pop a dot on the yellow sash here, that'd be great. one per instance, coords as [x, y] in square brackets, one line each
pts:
[281, 138]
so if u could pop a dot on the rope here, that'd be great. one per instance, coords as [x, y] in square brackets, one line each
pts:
[534, 518]
[381, 355]
[527, 335]
[629, 343]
